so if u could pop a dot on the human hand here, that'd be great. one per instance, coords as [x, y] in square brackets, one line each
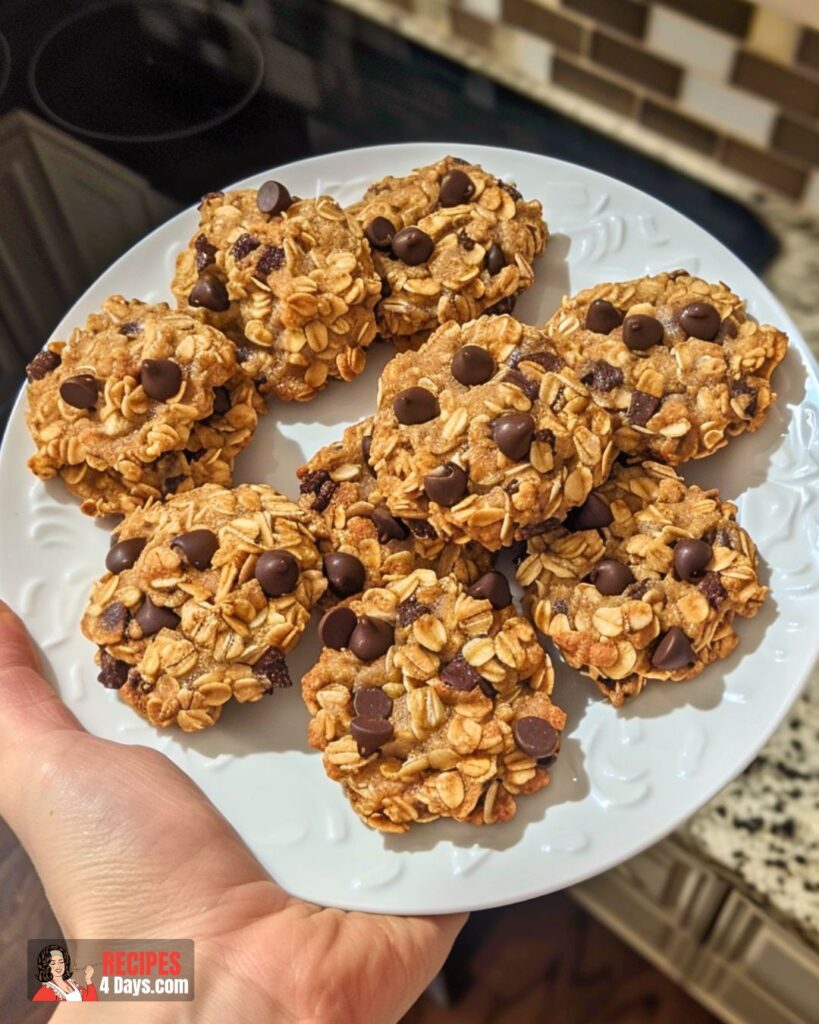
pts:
[89, 974]
[126, 845]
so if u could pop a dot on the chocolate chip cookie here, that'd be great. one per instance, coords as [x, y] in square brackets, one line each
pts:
[674, 359]
[291, 281]
[643, 581]
[141, 402]
[450, 242]
[432, 700]
[487, 434]
[203, 596]
[340, 485]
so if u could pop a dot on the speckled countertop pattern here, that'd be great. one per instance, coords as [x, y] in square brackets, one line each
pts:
[764, 827]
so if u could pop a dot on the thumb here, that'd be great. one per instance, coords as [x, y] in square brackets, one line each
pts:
[29, 707]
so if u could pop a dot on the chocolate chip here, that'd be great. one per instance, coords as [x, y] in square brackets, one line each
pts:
[131, 328]
[536, 529]
[712, 589]
[210, 293]
[205, 253]
[244, 245]
[171, 484]
[412, 245]
[472, 365]
[387, 526]
[548, 360]
[115, 618]
[345, 573]
[561, 607]
[410, 610]
[641, 332]
[371, 638]
[456, 188]
[502, 308]
[446, 485]
[742, 387]
[153, 617]
[422, 529]
[460, 675]
[691, 558]
[80, 391]
[723, 538]
[372, 702]
[320, 483]
[415, 405]
[611, 577]
[495, 260]
[379, 233]
[113, 673]
[593, 514]
[603, 316]
[513, 192]
[221, 400]
[513, 434]
[336, 627]
[467, 243]
[536, 737]
[492, 587]
[277, 572]
[273, 197]
[370, 733]
[197, 547]
[673, 651]
[207, 196]
[700, 320]
[530, 388]
[366, 445]
[602, 376]
[642, 407]
[124, 554]
[272, 667]
[271, 259]
[42, 364]
[160, 378]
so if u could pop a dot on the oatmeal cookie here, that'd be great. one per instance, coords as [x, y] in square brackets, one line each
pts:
[338, 483]
[290, 280]
[204, 595]
[643, 581]
[487, 434]
[450, 242]
[139, 403]
[674, 359]
[429, 701]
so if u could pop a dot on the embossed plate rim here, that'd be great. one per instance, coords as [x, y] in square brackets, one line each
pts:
[615, 789]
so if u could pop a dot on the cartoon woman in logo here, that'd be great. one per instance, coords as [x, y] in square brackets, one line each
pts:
[54, 971]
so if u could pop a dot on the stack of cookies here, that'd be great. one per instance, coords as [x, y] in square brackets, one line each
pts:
[431, 696]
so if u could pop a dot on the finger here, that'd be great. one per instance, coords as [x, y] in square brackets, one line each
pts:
[29, 707]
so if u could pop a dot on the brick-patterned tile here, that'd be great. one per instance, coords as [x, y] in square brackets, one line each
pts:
[797, 140]
[732, 16]
[564, 32]
[675, 126]
[625, 15]
[470, 28]
[794, 91]
[594, 87]
[763, 167]
[636, 64]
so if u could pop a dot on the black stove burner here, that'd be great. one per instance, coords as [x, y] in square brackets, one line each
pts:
[146, 70]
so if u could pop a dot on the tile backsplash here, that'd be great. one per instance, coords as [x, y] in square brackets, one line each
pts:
[734, 83]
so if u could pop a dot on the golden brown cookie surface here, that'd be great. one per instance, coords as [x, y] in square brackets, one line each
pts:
[644, 580]
[674, 359]
[428, 702]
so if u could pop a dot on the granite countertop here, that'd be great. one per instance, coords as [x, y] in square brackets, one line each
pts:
[764, 827]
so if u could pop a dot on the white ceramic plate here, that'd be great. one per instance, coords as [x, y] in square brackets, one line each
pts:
[623, 779]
